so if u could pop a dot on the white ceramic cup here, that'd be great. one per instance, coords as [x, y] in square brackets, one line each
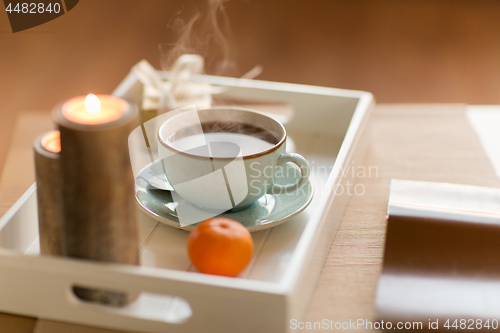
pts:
[214, 183]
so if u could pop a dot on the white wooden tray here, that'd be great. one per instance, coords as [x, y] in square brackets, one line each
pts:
[276, 286]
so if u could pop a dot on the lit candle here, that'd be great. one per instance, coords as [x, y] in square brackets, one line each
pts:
[51, 141]
[94, 109]
[99, 208]
[47, 147]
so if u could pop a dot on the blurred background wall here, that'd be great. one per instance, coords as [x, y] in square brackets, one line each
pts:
[400, 50]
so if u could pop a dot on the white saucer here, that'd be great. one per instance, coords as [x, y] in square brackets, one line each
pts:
[154, 197]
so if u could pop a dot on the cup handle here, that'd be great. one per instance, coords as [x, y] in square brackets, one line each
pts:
[304, 173]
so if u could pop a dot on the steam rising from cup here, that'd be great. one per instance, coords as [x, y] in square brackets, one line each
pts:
[204, 33]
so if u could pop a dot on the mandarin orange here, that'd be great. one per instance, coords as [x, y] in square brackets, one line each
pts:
[220, 246]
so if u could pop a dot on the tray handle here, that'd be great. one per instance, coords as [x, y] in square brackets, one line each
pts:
[167, 300]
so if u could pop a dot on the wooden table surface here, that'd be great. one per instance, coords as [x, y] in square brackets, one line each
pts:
[409, 141]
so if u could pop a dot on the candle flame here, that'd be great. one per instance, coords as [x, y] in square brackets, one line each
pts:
[92, 103]
[52, 141]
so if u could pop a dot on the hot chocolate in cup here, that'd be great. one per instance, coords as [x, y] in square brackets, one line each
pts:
[224, 159]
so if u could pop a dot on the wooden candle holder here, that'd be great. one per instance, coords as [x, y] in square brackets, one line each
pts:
[99, 210]
[46, 148]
